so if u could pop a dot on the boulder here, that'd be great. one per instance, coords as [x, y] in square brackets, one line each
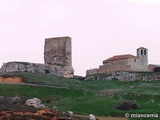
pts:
[92, 117]
[9, 100]
[70, 113]
[127, 106]
[34, 102]
[55, 108]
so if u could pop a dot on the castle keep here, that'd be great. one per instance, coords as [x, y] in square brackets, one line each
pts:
[57, 58]
[126, 62]
[57, 51]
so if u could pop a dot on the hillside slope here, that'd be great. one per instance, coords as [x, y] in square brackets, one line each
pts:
[85, 97]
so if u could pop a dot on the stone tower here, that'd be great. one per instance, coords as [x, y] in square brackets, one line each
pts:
[142, 54]
[57, 51]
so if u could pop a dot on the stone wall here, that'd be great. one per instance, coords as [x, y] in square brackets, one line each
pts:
[125, 76]
[135, 64]
[91, 71]
[115, 65]
[12, 67]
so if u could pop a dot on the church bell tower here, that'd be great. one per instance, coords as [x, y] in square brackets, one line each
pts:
[142, 54]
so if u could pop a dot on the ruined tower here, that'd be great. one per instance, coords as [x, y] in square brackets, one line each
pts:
[57, 51]
[57, 58]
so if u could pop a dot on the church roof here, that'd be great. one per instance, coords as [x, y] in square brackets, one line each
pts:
[119, 57]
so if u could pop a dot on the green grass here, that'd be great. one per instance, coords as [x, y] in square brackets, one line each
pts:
[44, 79]
[39, 92]
[97, 97]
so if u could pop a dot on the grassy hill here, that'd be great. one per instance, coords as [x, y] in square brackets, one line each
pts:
[85, 97]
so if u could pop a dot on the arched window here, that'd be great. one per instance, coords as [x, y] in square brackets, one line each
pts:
[141, 52]
[145, 52]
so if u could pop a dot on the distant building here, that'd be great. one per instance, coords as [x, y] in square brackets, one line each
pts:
[126, 62]
[154, 68]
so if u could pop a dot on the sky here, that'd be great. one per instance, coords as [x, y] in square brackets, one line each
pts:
[99, 29]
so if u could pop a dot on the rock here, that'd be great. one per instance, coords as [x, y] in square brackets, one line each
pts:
[55, 108]
[34, 102]
[9, 100]
[128, 106]
[92, 117]
[42, 106]
[70, 113]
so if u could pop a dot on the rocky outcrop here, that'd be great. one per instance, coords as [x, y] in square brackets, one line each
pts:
[125, 76]
[8, 101]
[34, 102]
[12, 67]
[92, 117]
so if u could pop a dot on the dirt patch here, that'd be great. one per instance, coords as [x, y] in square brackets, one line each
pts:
[13, 79]
[38, 115]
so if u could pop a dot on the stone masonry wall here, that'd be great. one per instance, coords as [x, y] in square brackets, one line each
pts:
[125, 76]
[12, 67]
[58, 51]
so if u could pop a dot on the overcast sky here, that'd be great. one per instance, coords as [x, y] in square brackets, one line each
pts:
[99, 29]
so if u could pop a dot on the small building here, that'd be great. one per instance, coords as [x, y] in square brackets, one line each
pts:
[125, 62]
[154, 68]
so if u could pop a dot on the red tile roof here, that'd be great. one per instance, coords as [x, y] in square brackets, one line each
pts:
[119, 57]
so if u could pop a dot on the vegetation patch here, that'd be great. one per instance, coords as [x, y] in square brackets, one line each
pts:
[98, 97]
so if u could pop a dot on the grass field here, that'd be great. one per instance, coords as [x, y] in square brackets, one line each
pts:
[86, 97]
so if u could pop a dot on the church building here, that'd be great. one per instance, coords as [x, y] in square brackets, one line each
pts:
[125, 62]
